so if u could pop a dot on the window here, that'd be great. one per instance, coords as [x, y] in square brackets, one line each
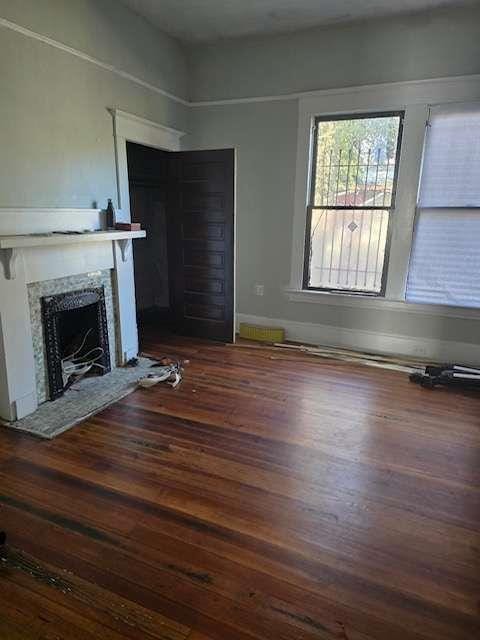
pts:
[445, 260]
[352, 196]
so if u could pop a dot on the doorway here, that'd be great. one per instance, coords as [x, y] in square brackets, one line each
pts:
[184, 270]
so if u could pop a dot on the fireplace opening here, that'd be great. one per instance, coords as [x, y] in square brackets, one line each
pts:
[76, 337]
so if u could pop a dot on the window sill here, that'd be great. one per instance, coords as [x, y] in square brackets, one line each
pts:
[358, 301]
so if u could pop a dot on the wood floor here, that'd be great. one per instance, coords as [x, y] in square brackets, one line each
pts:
[269, 497]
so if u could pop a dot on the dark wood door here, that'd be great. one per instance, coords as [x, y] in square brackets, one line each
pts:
[201, 242]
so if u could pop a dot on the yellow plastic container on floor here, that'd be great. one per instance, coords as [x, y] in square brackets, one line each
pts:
[261, 334]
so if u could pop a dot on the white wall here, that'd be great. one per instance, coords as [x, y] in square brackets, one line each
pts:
[265, 137]
[54, 123]
[432, 44]
[62, 64]
[55, 131]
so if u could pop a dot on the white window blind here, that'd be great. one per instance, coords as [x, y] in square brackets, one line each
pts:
[445, 261]
[451, 164]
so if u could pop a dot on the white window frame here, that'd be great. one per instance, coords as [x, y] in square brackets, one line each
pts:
[415, 98]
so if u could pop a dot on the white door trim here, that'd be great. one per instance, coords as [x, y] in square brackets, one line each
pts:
[128, 127]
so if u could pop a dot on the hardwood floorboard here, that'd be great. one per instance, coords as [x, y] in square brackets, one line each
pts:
[94, 611]
[197, 636]
[269, 497]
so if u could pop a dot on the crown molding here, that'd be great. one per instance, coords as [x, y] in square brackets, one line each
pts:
[338, 91]
[7, 24]
[13, 26]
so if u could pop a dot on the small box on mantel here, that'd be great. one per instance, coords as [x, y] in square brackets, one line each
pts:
[128, 226]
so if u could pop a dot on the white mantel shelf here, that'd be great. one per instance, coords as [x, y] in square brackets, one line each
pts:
[10, 245]
[46, 239]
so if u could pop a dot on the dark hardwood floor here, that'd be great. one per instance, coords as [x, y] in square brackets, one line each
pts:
[271, 496]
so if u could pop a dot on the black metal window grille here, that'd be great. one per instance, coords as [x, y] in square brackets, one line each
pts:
[353, 183]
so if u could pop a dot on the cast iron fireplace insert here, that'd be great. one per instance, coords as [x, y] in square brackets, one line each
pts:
[67, 319]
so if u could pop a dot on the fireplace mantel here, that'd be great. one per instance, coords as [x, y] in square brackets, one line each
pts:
[10, 245]
[32, 250]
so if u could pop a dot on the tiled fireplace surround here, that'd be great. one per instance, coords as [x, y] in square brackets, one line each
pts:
[37, 271]
[38, 290]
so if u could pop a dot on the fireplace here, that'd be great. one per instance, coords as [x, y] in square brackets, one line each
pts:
[76, 337]
[39, 263]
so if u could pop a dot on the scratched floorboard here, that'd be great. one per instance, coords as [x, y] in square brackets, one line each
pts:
[270, 497]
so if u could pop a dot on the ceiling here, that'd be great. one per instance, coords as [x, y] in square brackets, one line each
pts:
[194, 21]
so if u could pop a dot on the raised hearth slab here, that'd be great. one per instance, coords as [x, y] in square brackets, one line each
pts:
[84, 399]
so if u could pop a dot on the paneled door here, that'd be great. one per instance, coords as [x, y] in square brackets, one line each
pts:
[201, 242]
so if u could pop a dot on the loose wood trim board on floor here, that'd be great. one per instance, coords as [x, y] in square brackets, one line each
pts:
[369, 359]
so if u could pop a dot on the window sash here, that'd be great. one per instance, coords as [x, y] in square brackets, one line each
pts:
[354, 116]
[362, 257]
[311, 206]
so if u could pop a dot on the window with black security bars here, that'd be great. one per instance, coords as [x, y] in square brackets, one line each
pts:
[352, 197]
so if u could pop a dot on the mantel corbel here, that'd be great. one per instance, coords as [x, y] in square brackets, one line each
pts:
[125, 248]
[8, 257]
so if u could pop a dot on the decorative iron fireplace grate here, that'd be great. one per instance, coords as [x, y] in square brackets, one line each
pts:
[74, 322]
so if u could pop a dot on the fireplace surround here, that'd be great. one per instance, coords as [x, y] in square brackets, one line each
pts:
[45, 252]
[103, 279]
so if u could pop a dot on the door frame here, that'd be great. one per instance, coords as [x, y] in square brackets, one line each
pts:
[128, 127]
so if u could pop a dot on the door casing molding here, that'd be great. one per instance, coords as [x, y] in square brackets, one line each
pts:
[128, 127]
